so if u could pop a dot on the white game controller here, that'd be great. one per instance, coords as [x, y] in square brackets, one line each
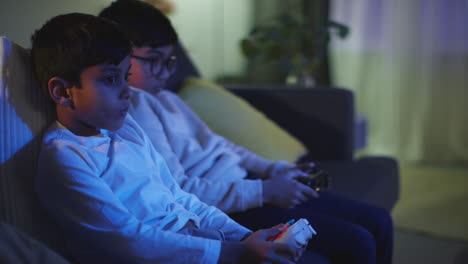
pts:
[297, 234]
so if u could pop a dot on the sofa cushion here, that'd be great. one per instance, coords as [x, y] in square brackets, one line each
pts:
[235, 119]
[24, 114]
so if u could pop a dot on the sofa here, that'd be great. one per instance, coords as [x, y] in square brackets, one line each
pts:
[322, 118]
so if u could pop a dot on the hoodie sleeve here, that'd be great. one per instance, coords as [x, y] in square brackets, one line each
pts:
[229, 196]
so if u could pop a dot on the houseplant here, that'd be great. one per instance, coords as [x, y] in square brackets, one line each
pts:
[295, 44]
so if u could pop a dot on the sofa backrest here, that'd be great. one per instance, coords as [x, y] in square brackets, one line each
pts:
[25, 113]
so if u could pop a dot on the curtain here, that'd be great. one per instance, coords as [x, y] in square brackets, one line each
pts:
[407, 62]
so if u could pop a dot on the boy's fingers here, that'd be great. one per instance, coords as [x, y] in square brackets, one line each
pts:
[280, 226]
[294, 203]
[267, 233]
[301, 173]
[294, 173]
[299, 253]
[306, 167]
[301, 197]
[307, 191]
[286, 250]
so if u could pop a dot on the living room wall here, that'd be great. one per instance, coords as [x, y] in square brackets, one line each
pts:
[210, 29]
[19, 18]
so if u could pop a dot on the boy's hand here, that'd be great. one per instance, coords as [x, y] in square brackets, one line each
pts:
[271, 252]
[284, 191]
[281, 167]
[307, 167]
[257, 249]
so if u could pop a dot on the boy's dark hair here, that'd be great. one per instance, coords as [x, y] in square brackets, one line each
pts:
[67, 44]
[143, 23]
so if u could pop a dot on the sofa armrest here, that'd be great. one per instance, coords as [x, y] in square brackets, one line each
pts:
[321, 118]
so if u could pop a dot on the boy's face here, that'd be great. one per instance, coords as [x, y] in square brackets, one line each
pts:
[151, 67]
[102, 100]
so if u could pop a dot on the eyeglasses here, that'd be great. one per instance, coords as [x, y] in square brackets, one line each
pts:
[157, 65]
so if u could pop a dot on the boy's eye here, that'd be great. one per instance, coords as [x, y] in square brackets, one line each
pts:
[156, 60]
[111, 80]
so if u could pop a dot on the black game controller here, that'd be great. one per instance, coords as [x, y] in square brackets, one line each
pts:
[317, 178]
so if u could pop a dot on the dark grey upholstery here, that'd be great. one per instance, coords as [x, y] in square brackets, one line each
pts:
[321, 118]
[18, 247]
[370, 179]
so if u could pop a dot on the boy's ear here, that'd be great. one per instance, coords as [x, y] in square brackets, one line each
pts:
[60, 91]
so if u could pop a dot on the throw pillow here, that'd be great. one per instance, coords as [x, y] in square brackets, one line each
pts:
[234, 118]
